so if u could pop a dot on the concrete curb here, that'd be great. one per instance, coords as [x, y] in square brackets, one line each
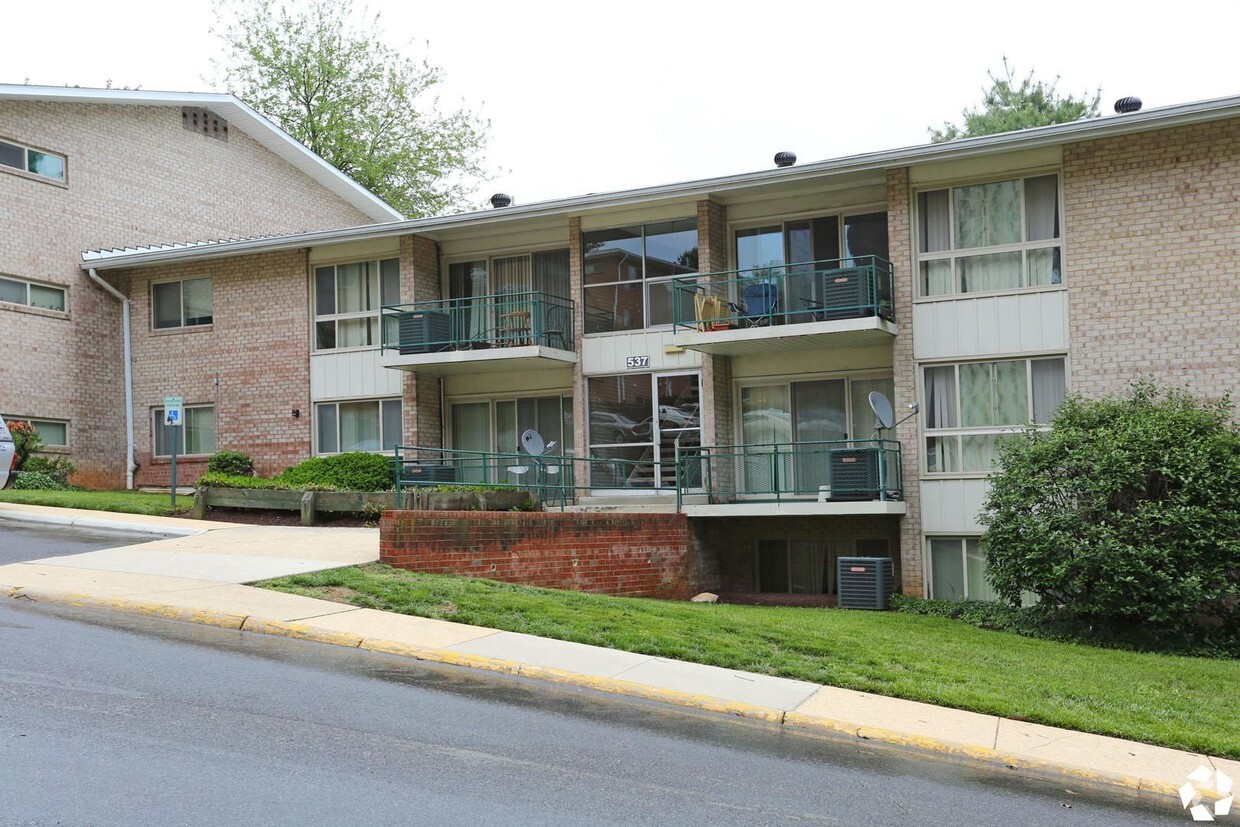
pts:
[794, 721]
[98, 522]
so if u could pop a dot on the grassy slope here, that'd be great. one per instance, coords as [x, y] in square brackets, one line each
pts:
[1187, 703]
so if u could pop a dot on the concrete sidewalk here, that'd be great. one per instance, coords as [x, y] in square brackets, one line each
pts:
[197, 577]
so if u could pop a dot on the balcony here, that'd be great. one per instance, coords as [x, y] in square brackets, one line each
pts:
[833, 477]
[521, 330]
[818, 304]
[840, 477]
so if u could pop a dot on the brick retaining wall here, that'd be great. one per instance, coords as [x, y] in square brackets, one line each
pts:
[632, 555]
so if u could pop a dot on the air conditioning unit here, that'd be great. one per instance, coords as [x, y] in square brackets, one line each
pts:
[864, 582]
[847, 293]
[424, 331]
[422, 473]
[853, 473]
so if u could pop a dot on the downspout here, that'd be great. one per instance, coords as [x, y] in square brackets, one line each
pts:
[130, 465]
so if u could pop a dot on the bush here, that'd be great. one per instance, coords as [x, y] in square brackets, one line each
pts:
[235, 463]
[26, 441]
[58, 468]
[342, 472]
[38, 481]
[1125, 515]
[218, 480]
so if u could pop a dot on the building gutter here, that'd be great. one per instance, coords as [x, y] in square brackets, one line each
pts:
[130, 464]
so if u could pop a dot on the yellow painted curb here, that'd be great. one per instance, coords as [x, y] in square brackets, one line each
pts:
[301, 631]
[206, 617]
[985, 754]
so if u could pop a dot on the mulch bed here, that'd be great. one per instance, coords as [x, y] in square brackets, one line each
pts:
[256, 516]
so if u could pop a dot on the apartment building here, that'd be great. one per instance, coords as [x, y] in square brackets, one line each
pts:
[713, 346]
[89, 168]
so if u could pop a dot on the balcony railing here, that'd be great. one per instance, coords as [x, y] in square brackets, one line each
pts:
[814, 291]
[556, 479]
[501, 320]
[844, 470]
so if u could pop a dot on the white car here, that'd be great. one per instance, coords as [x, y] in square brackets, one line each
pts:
[8, 455]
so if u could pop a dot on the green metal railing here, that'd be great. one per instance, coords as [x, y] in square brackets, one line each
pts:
[813, 291]
[482, 322]
[831, 470]
[556, 479]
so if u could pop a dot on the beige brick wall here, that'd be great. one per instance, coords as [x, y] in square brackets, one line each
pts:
[135, 176]
[420, 405]
[1152, 230]
[900, 243]
[251, 363]
[716, 370]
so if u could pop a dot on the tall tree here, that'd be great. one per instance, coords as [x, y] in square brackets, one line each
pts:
[361, 105]
[1010, 104]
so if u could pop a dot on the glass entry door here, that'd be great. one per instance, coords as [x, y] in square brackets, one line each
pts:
[636, 421]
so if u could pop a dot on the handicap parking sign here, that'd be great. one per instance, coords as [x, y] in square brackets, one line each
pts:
[172, 411]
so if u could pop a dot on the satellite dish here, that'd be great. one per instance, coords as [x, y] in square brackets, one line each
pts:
[881, 405]
[533, 444]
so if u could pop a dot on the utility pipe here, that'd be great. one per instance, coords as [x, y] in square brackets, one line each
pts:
[130, 464]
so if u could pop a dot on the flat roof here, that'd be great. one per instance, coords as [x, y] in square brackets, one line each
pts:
[1035, 138]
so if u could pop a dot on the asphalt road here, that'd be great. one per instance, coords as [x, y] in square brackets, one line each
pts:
[20, 542]
[109, 719]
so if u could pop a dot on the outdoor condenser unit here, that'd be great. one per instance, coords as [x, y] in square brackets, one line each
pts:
[424, 331]
[846, 293]
[414, 474]
[853, 473]
[864, 582]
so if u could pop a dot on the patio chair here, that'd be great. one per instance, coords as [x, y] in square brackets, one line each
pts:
[760, 304]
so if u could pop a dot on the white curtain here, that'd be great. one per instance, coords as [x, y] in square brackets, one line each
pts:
[359, 426]
[1042, 208]
[357, 288]
[997, 271]
[1049, 385]
[993, 393]
[975, 557]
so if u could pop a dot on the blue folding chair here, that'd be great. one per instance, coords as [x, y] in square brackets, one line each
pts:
[761, 303]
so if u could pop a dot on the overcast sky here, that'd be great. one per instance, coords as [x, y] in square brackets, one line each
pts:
[592, 97]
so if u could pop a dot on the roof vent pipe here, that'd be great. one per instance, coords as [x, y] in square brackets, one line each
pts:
[785, 159]
[1129, 104]
[501, 199]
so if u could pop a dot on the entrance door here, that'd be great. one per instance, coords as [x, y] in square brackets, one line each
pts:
[635, 423]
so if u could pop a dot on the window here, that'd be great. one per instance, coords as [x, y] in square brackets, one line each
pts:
[971, 407]
[509, 280]
[814, 411]
[958, 569]
[808, 566]
[347, 301]
[367, 425]
[31, 294]
[54, 433]
[195, 436]
[629, 271]
[35, 161]
[1002, 235]
[181, 303]
[497, 425]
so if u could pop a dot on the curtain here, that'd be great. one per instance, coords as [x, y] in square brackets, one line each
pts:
[987, 214]
[934, 222]
[467, 283]
[947, 569]
[765, 418]
[807, 564]
[993, 393]
[357, 286]
[471, 431]
[197, 293]
[941, 409]
[199, 430]
[392, 426]
[167, 304]
[1049, 386]
[997, 271]
[975, 559]
[1042, 208]
[550, 273]
[863, 418]
[359, 426]
[328, 443]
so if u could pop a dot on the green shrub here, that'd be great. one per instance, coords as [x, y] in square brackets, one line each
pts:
[58, 468]
[1125, 516]
[343, 472]
[218, 480]
[26, 441]
[38, 481]
[231, 462]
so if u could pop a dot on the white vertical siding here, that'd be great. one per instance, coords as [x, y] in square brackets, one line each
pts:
[606, 354]
[991, 325]
[353, 374]
[952, 505]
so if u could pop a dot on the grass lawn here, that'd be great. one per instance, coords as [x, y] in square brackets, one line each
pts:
[1186, 703]
[129, 502]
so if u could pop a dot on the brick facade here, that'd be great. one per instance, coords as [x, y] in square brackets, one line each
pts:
[250, 363]
[632, 555]
[900, 242]
[1153, 225]
[717, 402]
[135, 175]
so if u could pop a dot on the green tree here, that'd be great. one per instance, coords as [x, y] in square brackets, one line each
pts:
[1010, 104]
[361, 105]
[1125, 515]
